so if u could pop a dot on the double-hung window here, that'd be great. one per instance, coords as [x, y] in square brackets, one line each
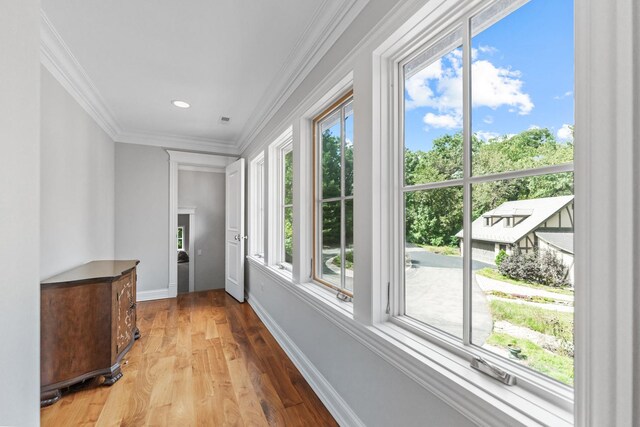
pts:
[257, 215]
[333, 196]
[484, 162]
[281, 211]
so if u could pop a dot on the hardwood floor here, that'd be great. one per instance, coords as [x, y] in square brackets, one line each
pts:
[203, 359]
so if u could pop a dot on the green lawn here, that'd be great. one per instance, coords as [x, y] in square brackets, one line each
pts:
[348, 260]
[530, 298]
[492, 273]
[442, 250]
[549, 322]
[554, 365]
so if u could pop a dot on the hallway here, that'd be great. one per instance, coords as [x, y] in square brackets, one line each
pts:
[203, 359]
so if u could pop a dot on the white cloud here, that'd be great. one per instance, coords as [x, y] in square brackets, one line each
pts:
[446, 121]
[533, 127]
[564, 95]
[488, 119]
[487, 49]
[494, 87]
[439, 86]
[486, 136]
[565, 133]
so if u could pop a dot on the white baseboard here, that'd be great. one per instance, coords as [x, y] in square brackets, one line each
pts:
[153, 294]
[336, 405]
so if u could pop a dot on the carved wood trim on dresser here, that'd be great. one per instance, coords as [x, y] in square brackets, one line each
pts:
[87, 324]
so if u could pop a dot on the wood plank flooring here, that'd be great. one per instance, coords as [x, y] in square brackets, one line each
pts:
[203, 359]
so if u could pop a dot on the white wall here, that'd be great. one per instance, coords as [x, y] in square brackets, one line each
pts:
[142, 212]
[19, 210]
[378, 393]
[205, 191]
[77, 183]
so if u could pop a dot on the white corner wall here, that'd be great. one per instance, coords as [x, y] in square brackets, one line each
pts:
[142, 214]
[19, 210]
[77, 183]
[205, 191]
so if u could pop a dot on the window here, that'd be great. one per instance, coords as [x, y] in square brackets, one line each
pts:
[281, 210]
[286, 207]
[180, 238]
[333, 195]
[256, 222]
[486, 132]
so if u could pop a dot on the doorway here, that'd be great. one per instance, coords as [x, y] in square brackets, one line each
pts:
[185, 238]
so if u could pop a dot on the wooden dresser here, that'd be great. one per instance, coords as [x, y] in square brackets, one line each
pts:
[87, 324]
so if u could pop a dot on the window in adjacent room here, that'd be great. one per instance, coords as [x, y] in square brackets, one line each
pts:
[180, 238]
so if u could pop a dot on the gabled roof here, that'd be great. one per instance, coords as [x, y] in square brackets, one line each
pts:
[535, 211]
[560, 239]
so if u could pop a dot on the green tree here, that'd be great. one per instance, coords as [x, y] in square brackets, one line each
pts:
[435, 216]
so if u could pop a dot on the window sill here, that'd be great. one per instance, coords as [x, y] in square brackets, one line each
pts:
[438, 370]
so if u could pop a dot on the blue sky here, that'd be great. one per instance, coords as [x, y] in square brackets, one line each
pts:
[522, 77]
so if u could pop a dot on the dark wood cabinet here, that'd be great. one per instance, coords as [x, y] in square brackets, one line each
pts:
[87, 324]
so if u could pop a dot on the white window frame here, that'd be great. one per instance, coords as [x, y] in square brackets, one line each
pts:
[277, 150]
[178, 239]
[388, 142]
[257, 198]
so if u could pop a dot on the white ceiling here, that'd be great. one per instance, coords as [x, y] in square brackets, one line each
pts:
[127, 59]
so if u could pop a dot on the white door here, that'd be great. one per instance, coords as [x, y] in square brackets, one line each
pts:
[234, 231]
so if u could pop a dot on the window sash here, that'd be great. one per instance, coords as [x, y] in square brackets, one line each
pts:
[339, 105]
[257, 212]
[282, 154]
[463, 347]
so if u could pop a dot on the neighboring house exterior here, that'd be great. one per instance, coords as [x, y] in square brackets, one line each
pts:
[545, 224]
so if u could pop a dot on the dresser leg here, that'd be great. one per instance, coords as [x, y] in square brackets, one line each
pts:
[114, 376]
[49, 397]
[136, 333]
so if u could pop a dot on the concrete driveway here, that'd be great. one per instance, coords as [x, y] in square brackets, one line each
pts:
[434, 294]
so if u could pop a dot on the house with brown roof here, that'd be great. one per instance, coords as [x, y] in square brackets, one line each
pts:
[544, 224]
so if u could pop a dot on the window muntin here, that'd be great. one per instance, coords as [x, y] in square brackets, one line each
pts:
[532, 154]
[333, 194]
[180, 238]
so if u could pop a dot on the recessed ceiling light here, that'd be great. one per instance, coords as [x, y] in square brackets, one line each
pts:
[181, 104]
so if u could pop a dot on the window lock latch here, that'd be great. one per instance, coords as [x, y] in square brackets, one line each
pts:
[494, 372]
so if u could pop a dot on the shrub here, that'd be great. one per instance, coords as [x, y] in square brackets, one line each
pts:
[552, 270]
[500, 257]
[543, 268]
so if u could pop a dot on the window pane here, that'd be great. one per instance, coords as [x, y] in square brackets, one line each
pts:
[522, 79]
[331, 155]
[348, 255]
[348, 149]
[329, 268]
[180, 233]
[433, 265]
[288, 178]
[433, 113]
[523, 271]
[288, 235]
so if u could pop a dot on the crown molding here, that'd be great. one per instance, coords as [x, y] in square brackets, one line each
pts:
[56, 57]
[327, 25]
[178, 142]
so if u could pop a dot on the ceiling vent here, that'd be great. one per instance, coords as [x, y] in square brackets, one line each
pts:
[225, 120]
